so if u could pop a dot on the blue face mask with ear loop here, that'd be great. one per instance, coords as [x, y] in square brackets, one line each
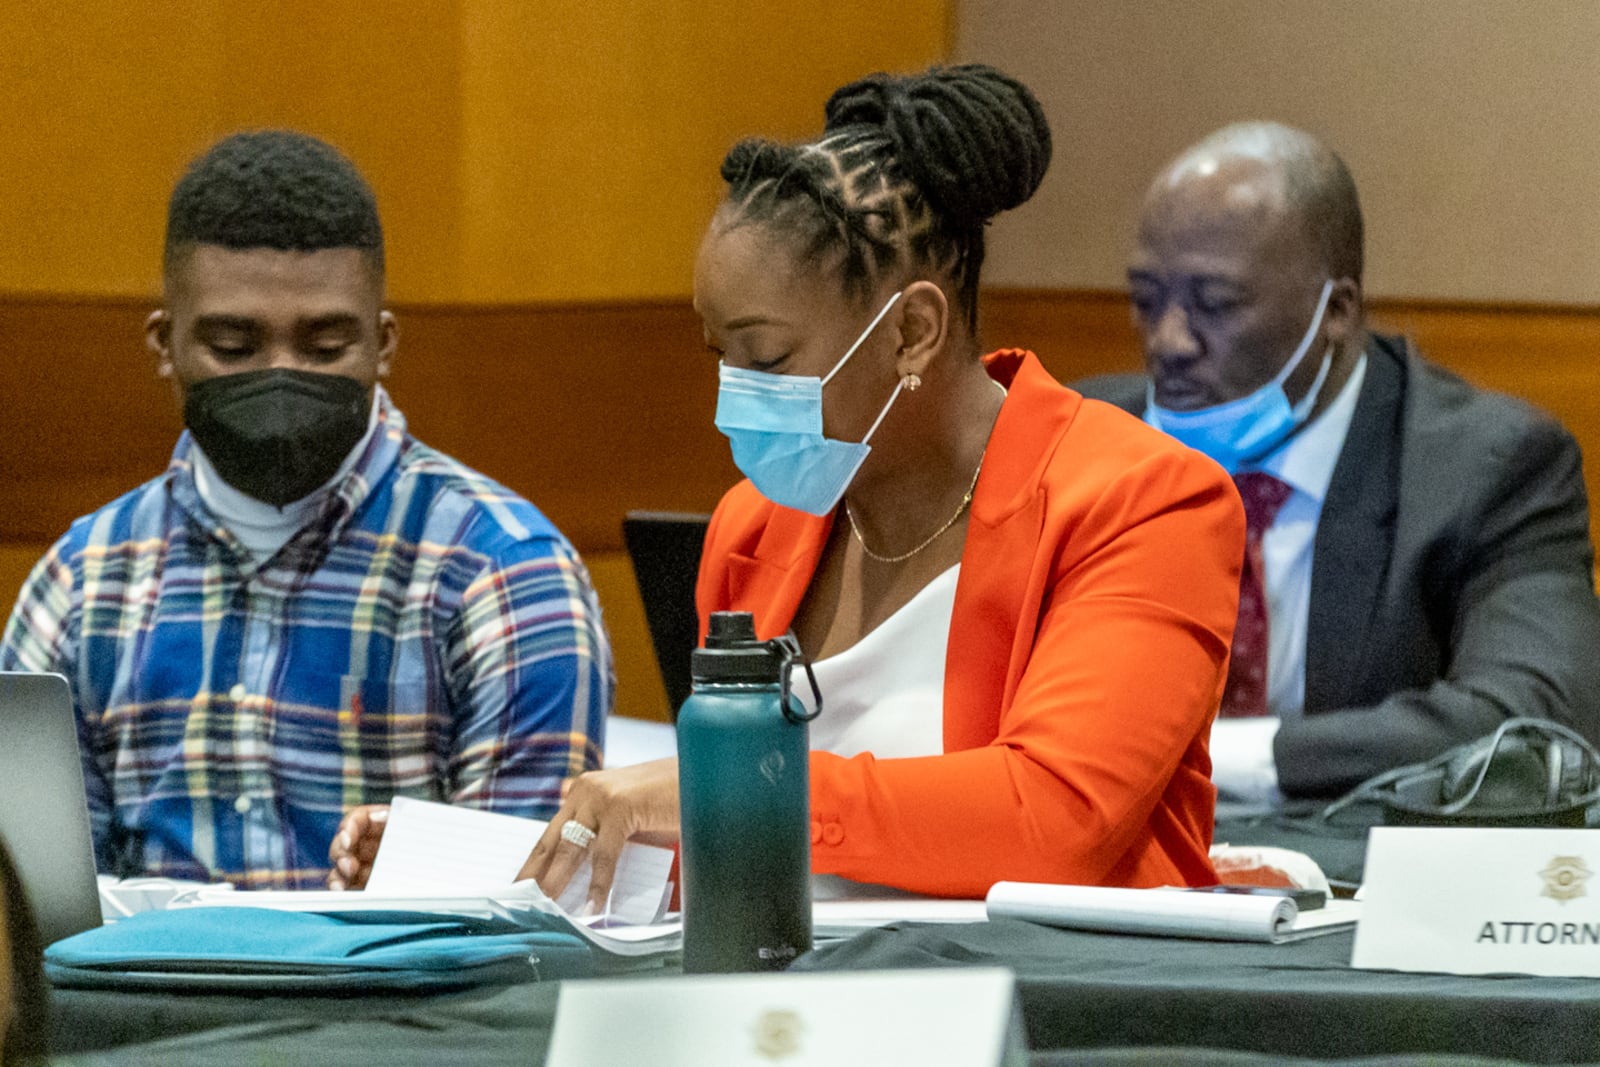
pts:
[774, 424]
[1245, 430]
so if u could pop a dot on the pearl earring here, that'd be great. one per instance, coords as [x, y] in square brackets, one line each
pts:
[911, 382]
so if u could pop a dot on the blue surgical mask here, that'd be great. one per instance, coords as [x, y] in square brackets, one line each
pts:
[774, 423]
[1246, 430]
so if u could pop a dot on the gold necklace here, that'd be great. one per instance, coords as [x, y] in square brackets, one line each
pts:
[966, 502]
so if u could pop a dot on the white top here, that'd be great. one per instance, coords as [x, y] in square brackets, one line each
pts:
[885, 693]
[261, 528]
[1241, 749]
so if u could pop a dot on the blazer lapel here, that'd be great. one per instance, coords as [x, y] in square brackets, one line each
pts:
[1355, 536]
[771, 582]
[992, 626]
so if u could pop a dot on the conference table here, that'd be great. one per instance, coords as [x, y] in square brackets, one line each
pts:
[1085, 998]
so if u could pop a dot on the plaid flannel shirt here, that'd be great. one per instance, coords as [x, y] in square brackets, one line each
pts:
[428, 634]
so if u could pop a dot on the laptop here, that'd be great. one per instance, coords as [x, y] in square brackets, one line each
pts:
[665, 549]
[44, 812]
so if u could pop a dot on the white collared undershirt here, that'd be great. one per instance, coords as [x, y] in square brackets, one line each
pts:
[1241, 749]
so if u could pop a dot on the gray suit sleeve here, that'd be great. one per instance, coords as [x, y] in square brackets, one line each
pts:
[1523, 638]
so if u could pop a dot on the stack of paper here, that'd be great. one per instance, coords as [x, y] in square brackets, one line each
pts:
[461, 861]
[429, 847]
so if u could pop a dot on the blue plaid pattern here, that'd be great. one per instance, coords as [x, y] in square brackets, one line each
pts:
[429, 634]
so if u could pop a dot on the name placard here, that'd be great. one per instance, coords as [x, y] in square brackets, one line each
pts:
[1469, 901]
[939, 1018]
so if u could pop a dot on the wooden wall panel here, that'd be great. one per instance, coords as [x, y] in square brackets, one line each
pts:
[586, 410]
[520, 151]
[592, 133]
[592, 410]
[106, 102]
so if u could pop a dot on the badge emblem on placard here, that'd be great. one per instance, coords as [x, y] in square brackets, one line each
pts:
[778, 1034]
[1564, 878]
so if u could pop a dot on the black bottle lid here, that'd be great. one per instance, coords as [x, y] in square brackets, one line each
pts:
[732, 653]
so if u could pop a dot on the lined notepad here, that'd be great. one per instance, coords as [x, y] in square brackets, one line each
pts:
[1167, 913]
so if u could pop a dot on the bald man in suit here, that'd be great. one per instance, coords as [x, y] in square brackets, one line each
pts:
[1420, 547]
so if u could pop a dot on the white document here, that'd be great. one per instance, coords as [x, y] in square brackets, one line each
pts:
[1167, 913]
[937, 1018]
[429, 847]
[1481, 901]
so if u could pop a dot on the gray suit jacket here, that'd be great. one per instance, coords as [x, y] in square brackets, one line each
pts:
[1452, 579]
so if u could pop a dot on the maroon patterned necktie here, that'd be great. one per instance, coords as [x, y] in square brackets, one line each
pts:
[1246, 692]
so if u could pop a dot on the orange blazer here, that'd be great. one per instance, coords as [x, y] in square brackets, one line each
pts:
[1087, 653]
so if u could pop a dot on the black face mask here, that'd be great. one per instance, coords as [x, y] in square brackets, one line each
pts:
[276, 435]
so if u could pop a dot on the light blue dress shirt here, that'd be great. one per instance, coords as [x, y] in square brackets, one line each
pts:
[1241, 749]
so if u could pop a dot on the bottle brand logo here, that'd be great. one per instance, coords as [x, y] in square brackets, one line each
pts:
[772, 765]
[778, 1034]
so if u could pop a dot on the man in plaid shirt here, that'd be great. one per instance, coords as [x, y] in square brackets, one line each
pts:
[310, 610]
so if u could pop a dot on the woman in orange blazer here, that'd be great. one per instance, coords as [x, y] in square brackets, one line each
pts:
[1087, 647]
[1095, 601]
[1085, 636]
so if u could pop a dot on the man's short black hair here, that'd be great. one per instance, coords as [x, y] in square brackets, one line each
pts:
[273, 189]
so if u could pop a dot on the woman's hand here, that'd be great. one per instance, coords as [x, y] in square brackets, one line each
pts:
[616, 805]
[356, 845]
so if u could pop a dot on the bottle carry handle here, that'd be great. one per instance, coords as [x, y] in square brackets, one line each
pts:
[789, 648]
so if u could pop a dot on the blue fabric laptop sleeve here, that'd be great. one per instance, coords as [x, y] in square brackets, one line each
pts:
[237, 949]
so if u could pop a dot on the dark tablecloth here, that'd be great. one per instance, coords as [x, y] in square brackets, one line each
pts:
[1083, 990]
[1086, 999]
[1092, 998]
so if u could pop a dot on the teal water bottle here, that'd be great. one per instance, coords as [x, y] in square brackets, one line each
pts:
[744, 785]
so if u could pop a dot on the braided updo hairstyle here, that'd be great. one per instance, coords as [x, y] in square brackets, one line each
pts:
[907, 174]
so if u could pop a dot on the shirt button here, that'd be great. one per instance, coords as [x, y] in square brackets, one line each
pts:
[816, 832]
[237, 693]
[832, 834]
[242, 805]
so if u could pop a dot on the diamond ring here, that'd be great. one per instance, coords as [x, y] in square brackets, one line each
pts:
[576, 833]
